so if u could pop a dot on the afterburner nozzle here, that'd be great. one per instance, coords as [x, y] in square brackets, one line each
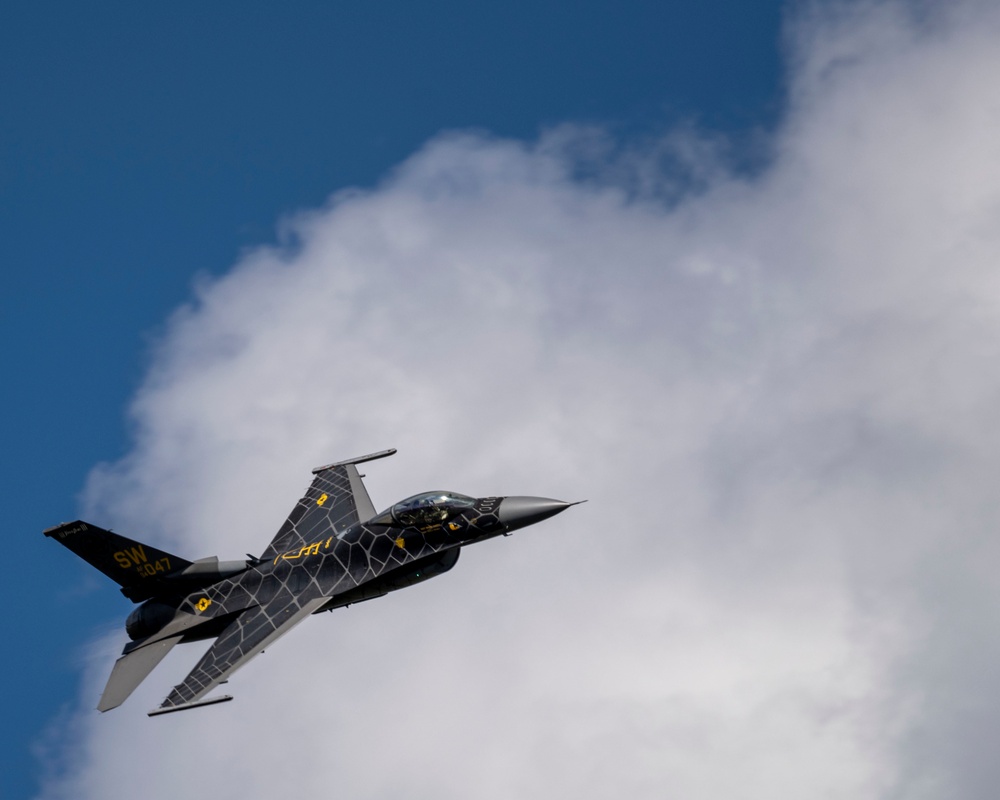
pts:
[519, 512]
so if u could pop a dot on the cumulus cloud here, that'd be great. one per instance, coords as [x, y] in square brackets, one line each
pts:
[775, 390]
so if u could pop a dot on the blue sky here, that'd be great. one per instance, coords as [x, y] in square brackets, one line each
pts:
[736, 260]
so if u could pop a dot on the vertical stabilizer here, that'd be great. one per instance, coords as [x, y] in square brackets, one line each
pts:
[138, 568]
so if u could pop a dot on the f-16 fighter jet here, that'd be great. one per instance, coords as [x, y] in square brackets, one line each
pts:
[333, 550]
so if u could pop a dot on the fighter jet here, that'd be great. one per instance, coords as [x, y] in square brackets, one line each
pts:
[333, 550]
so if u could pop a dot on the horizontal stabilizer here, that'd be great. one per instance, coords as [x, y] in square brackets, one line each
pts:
[131, 669]
[225, 698]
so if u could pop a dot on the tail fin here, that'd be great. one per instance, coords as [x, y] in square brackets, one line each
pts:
[137, 568]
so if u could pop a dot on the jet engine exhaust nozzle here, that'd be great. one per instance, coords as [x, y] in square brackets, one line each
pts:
[519, 512]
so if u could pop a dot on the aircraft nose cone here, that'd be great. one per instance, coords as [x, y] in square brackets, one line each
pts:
[519, 512]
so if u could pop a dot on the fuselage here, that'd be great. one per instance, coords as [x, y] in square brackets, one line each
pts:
[416, 539]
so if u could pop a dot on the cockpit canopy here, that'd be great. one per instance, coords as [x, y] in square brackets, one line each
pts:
[428, 508]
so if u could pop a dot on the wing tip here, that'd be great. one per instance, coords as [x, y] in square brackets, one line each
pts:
[358, 460]
[64, 529]
[208, 701]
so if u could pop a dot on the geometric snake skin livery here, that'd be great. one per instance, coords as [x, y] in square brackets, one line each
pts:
[333, 550]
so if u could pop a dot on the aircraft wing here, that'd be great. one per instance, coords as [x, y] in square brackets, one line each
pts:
[336, 500]
[241, 640]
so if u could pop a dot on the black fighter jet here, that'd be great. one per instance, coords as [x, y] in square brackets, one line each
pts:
[333, 550]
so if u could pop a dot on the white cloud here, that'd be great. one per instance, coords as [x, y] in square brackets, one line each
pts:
[776, 392]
